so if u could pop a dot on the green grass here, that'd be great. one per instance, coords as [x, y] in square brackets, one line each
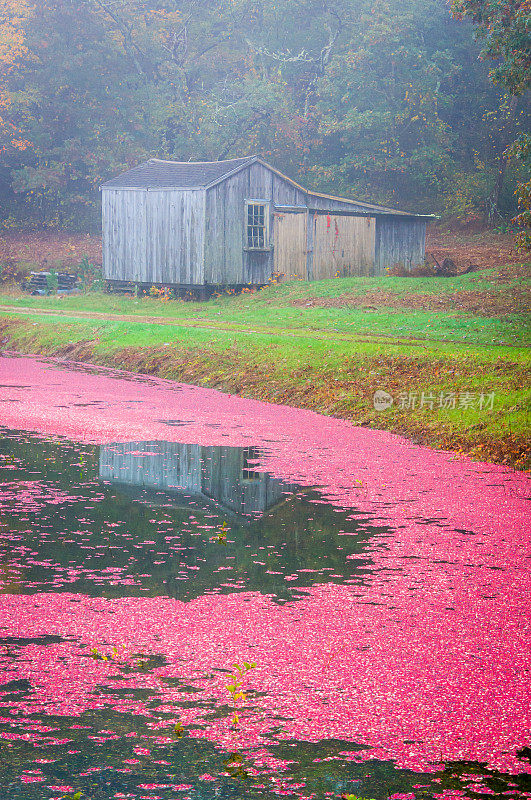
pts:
[297, 342]
[272, 309]
[328, 359]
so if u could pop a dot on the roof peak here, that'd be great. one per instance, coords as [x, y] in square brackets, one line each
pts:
[219, 161]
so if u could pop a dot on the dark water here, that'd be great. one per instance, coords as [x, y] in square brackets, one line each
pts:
[137, 519]
[159, 519]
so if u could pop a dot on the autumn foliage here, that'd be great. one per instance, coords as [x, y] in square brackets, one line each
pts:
[504, 27]
[382, 100]
[13, 16]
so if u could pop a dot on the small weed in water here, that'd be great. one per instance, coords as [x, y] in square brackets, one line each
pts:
[235, 766]
[221, 536]
[234, 688]
[352, 797]
[99, 655]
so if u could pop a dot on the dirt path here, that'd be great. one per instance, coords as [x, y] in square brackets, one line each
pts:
[195, 323]
[235, 327]
[106, 315]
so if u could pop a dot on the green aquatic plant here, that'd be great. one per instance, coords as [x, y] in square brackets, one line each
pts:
[234, 688]
[221, 535]
[97, 655]
[353, 797]
[142, 662]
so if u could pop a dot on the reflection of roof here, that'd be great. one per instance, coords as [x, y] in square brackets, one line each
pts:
[155, 173]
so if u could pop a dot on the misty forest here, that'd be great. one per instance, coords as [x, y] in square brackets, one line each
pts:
[381, 100]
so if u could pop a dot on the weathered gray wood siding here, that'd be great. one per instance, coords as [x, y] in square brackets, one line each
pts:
[399, 240]
[193, 237]
[154, 236]
[226, 259]
[225, 482]
[154, 465]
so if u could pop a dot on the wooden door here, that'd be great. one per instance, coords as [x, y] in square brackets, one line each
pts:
[343, 245]
[289, 231]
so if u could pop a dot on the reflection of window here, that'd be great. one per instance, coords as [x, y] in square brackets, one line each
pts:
[257, 225]
[249, 454]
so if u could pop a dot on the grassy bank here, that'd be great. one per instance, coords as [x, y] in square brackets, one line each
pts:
[327, 346]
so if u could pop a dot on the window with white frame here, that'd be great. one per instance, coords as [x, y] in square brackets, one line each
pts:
[257, 221]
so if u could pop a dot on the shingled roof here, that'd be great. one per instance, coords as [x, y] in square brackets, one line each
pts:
[158, 174]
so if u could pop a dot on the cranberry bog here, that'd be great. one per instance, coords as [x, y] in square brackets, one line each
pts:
[205, 595]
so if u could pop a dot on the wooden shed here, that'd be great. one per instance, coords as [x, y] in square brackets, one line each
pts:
[239, 222]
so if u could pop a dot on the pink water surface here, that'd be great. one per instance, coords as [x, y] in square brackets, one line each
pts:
[427, 662]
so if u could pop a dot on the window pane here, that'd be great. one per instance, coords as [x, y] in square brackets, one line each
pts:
[256, 226]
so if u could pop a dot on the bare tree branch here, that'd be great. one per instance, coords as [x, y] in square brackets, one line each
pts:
[319, 60]
[136, 54]
[178, 46]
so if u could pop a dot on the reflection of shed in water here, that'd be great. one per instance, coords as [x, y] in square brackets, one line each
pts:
[223, 475]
